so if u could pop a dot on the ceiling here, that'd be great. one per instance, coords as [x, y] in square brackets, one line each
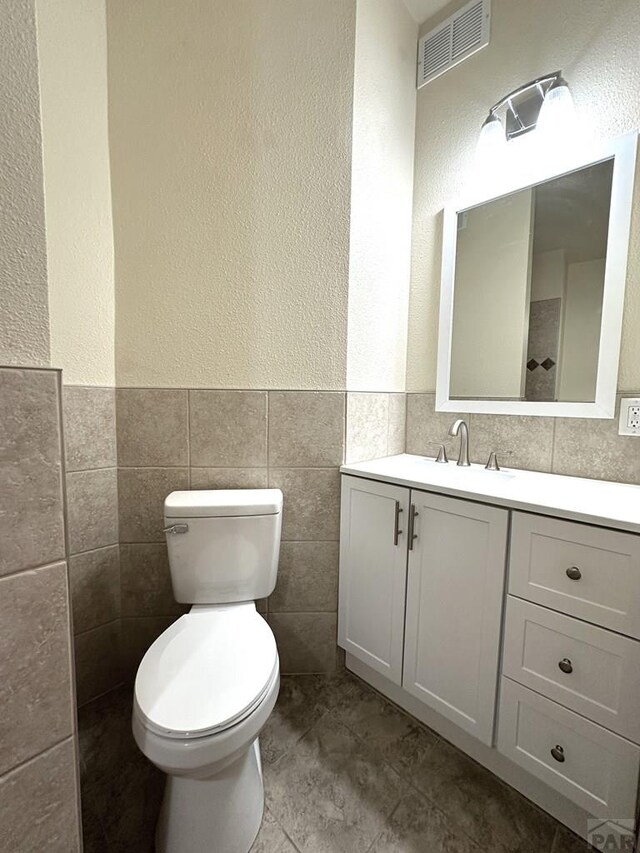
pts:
[423, 9]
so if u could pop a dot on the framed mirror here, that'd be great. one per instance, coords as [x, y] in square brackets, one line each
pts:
[532, 291]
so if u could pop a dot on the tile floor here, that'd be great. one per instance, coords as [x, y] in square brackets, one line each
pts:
[344, 771]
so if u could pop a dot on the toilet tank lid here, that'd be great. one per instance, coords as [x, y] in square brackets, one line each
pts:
[211, 503]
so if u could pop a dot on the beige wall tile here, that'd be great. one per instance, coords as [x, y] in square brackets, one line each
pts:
[311, 502]
[152, 427]
[306, 428]
[307, 578]
[229, 478]
[39, 804]
[89, 427]
[146, 581]
[397, 423]
[141, 494]
[367, 426]
[35, 664]
[138, 634]
[92, 504]
[529, 439]
[228, 429]
[586, 447]
[98, 661]
[31, 522]
[95, 588]
[306, 641]
[425, 424]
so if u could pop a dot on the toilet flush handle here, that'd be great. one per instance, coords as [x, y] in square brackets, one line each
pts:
[176, 528]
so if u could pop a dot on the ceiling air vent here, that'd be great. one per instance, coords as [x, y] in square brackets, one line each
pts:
[453, 40]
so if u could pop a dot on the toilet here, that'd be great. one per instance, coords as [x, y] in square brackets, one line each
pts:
[207, 685]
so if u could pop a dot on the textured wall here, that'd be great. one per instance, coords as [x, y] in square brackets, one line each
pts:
[24, 317]
[381, 192]
[72, 49]
[596, 45]
[230, 133]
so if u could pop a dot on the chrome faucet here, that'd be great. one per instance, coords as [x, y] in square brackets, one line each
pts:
[456, 427]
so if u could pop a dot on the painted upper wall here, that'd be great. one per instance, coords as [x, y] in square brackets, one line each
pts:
[24, 311]
[230, 136]
[384, 108]
[72, 46]
[596, 45]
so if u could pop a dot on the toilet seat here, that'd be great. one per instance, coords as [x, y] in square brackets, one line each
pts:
[206, 672]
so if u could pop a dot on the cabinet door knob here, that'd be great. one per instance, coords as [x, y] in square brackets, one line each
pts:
[574, 573]
[565, 665]
[558, 753]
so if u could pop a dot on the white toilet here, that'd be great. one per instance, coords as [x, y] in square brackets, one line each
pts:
[206, 687]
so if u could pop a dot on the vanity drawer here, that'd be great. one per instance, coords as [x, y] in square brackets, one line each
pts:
[589, 572]
[590, 670]
[597, 770]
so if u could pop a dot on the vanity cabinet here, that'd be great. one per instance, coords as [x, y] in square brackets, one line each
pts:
[455, 588]
[373, 573]
[570, 689]
[446, 559]
[504, 613]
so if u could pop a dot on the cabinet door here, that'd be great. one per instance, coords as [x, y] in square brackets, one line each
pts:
[454, 609]
[373, 572]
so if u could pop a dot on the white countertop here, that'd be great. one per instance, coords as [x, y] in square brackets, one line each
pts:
[600, 502]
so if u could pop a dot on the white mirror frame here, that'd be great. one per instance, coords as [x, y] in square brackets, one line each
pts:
[623, 152]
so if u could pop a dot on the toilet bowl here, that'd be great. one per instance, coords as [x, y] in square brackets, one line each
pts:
[207, 685]
[203, 692]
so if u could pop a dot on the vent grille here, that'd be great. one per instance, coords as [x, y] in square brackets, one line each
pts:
[453, 40]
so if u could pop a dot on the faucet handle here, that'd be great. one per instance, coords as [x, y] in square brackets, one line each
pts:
[492, 463]
[442, 453]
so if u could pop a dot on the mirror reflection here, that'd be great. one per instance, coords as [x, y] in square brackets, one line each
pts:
[528, 291]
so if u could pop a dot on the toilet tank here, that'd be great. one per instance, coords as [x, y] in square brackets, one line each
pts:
[223, 545]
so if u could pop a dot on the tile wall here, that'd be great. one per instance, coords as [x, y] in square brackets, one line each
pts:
[294, 440]
[579, 447]
[94, 563]
[39, 798]
[128, 448]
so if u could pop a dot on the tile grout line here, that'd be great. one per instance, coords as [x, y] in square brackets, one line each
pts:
[406, 781]
[71, 737]
[189, 438]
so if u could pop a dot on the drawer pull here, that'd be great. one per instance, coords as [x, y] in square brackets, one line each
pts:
[396, 526]
[413, 514]
[574, 573]
[558, 753]
[565, 665]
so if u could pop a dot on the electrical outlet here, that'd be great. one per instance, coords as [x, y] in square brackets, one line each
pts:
[629, 423]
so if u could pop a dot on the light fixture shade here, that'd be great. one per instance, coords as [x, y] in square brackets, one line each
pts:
[558, 112]
[491, 141]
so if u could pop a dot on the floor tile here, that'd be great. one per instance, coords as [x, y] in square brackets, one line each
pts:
[416, 826]
[299, 706]
[567, 842]
[120, 787]
[344, 771]
[105, 738]
[272, 838]
[399, 739]
[332, 793]
[491, 813]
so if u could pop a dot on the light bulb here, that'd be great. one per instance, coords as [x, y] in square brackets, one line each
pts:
[491, 142]
[557, 113]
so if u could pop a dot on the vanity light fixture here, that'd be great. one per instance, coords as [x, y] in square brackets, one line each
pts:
[545, 102]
